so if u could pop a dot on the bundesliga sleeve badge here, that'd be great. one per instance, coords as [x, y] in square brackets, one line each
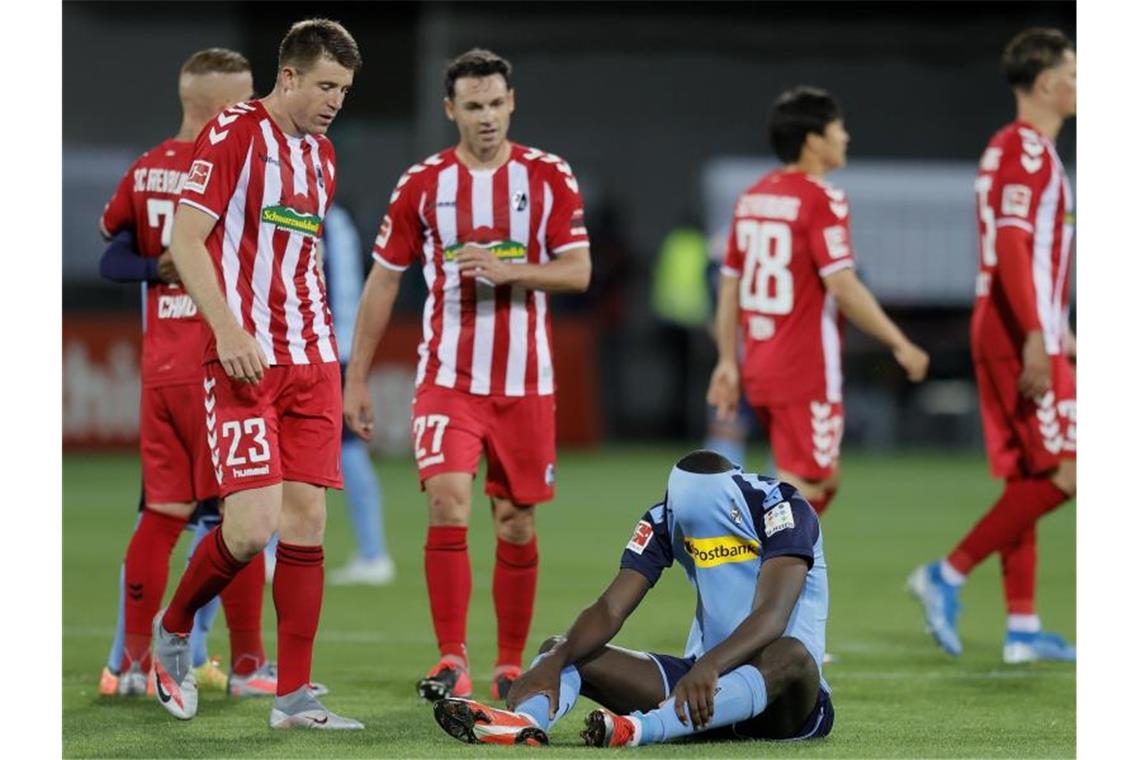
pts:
[778, 518]
[641, 536]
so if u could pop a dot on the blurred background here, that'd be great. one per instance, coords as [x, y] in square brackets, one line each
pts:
[660, 109]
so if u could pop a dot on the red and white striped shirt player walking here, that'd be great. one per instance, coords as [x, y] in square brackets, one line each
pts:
[245, 243]
[495, 226]
[1022, 347]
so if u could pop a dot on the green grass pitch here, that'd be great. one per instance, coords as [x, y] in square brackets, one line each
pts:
[895, 694]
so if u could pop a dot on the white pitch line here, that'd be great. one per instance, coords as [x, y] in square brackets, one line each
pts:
[931, 675]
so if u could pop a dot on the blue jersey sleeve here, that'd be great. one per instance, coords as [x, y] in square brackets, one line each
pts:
[121, 262]
[649, 550]
[785, 523]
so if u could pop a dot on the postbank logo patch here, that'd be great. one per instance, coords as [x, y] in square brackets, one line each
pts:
[778, 518]
[710, 552]
[289, 219]
[641, 535]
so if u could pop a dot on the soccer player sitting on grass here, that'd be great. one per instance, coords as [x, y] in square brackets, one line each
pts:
[752, 664]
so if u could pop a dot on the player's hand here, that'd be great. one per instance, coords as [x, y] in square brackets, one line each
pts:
[1036, 374]
[479, 262]
[724, 390]
[358, 408]
[240, 355]
[913, 360]
[167, 272]
[543, 678]
[696, 691]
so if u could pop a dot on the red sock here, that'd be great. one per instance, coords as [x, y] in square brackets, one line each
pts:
[1019, 573]
[298, 586]
[1016, 510]
[210, 569]
[821, 503]
[448, 571]
[242, 601]
[145, 572]
[516, 578]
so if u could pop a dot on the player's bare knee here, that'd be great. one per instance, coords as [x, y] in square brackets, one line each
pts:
[784, 662]
[448, 505]
[513, 524]
[246, 544]
[1065, 477]
[549, 644]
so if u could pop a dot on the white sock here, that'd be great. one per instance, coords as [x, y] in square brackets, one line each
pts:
[1024, 623]
[950, 575]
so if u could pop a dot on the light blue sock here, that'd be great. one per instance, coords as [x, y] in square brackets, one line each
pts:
[115, 658]
[742, 694]
[538, 706]
[204, 617]
[364, 497]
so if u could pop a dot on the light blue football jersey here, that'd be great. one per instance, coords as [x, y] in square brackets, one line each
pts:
[721, 528]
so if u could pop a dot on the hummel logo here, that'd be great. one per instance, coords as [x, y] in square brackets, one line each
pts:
[216, 137]
[225, 121]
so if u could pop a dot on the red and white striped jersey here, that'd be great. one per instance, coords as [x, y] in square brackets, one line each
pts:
[269, 192]
[1021, 183]
[789, 231]
[144, 203]
[479, 338]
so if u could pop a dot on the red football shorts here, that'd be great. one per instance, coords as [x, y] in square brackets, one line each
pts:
[451, 428]
[804, 436]
[1026, 437]
[172, 441]
[286, 427]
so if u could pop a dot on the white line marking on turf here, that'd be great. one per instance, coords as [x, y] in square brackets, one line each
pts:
[932, 675]
[338, 637]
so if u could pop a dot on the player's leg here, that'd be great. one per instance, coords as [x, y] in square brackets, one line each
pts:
[371, 565]
[520, 474]
[309, 407]
[169, 494]
[1022, 436]
[776, 696]
[109, 681]
[207, 671]
[805, 441]
[447, 438]
[619, 678]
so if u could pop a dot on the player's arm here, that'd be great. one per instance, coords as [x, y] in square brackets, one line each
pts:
[594, 627]
[860, 306]
[568, 273]
[372, 317]
[724, 386]
[121, 262]
[238, 352]
[1014, 249]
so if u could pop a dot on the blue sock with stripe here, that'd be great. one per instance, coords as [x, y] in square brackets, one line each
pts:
[538, 706]
[741, 694]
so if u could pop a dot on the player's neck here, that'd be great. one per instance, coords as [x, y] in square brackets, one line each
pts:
[1041, 118]
[272, 106]
[190, 129]
[809, 165]
[491, 160]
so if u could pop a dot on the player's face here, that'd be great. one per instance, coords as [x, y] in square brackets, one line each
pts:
[314, 97]
[1060, 83]
[833, 145]
[481, 109]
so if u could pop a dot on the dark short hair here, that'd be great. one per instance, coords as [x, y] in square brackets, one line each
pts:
[704, 462]
[795, 114]
[476, 62]
[215, 61]
[309, 40]
[1031, 52]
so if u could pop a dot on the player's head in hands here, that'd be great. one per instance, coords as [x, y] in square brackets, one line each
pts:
[211, 80]
[480, 101]
[1041, 67]
[316, 64]
[805, 130]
